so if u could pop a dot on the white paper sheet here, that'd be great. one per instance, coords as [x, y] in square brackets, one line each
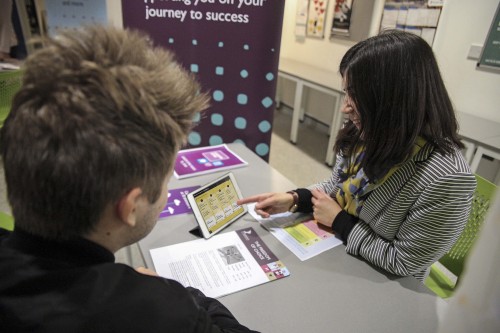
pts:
[221, 265]
[298, 232]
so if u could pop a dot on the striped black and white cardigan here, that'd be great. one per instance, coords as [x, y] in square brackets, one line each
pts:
[415, 216]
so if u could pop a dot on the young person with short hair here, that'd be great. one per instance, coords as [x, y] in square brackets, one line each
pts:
[88, 149]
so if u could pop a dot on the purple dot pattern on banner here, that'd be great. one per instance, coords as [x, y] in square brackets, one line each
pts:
[242, 99]
[217, 119]
[194, 138]
[264, 126]
[215, 140]
[240, 122]
[219, 70]
[218, 96]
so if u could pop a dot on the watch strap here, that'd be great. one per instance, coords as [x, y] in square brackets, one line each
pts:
[295, 205]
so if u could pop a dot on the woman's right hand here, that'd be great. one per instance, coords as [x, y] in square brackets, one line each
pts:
[269, 203]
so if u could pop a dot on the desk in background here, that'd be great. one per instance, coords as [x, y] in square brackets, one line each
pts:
[332, 292]
[478, 129]
[481, 137]
[316, 78]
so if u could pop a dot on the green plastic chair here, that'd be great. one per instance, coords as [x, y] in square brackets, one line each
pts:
[6, 221]
[440, 282]
[10, 82]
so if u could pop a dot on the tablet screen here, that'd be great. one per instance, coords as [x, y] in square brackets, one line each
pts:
[214, 205]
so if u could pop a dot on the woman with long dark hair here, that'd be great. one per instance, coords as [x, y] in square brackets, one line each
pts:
[400, 191]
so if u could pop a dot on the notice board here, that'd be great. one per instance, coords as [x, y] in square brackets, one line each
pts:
[490, 56]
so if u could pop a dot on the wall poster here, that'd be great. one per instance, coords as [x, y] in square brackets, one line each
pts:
[342, 18]
[63, 14]
[417, 17]
[316, 18]
[301, 18]
[232, 46]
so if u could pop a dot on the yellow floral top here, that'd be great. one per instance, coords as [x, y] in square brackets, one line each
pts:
[354, 186]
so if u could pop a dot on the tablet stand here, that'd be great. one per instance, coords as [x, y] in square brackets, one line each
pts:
[196, 231]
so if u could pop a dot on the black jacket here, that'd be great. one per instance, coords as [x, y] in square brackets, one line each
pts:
[76, 287]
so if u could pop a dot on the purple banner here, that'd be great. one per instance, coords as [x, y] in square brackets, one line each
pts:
[233, 48]
[177, 202]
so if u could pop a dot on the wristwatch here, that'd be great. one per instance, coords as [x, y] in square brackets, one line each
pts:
[293, 208]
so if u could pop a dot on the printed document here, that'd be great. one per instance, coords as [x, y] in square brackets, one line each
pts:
[203, 160]
[224, 264]
[300, 233]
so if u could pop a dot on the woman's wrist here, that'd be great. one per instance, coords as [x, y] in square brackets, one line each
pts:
[294, 205]
[342, 225]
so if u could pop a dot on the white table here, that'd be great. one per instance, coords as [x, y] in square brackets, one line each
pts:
[332, 292]
[316, 78]
[493, 142]
[478, 129]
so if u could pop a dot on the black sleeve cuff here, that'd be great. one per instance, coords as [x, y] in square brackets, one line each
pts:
[305, 204]
[343, 224]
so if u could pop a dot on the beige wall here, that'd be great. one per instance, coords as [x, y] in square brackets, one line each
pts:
[114, 8]
[462, 23]
[324, 53]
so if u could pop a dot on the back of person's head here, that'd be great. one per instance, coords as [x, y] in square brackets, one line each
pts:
[100, 111]
[395, 84]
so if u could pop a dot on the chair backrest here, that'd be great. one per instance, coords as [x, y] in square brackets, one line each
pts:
[10, 82]
[454, 259]
[6, 221]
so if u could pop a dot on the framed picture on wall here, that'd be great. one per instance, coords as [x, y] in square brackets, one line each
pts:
[342, 17]
[301, 18]
[316, 18]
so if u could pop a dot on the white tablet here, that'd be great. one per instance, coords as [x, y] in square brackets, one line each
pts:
[214, 205]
